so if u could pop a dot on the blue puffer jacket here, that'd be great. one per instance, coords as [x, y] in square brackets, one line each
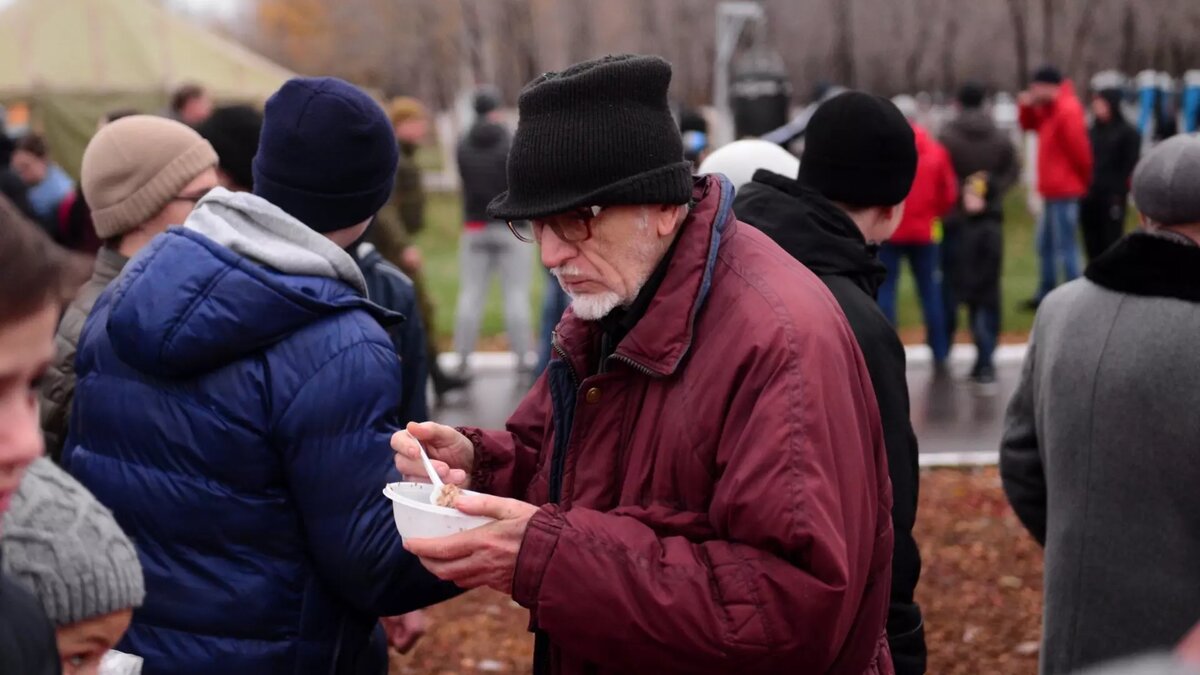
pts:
[237, 420]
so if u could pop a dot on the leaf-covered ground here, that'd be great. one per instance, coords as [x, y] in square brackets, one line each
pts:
[981, 591]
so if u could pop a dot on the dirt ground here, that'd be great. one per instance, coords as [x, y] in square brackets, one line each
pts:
[981, 592]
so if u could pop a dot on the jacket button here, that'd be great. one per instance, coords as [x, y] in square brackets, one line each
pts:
[593, 396]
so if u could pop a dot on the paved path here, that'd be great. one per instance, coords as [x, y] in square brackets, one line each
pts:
[955, 423]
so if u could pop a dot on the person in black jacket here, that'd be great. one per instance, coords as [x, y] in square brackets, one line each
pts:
[487, 247]
[987, 165]
[391, 289]
[1115, 147]
[858, 165]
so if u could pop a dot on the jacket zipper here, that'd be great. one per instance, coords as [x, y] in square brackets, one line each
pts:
[541, 651]
[635, 365]
[562, 353]
[541, 641]
[559, 459]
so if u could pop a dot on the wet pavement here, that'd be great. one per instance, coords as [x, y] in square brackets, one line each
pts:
[956, 422]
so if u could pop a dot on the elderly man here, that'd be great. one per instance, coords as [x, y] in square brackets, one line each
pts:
[698, 482]
[1099, 450]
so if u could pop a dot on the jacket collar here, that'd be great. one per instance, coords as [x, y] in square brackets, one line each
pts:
[810, 228]
[662, 338]
[1147, 265]
[108, 266]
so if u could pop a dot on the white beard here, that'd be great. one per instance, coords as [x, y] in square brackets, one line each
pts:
[595, 306]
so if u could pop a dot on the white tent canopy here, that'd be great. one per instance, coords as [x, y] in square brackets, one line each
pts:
[74, 60]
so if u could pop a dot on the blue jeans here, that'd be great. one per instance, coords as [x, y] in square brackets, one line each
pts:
[985, 329]
[554, 302]
[1057, 243]
[925, 263]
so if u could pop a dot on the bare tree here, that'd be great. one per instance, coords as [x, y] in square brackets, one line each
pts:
[520, 30]
[918, 49]
[580, 36]
[949, 42]
[843, 50]
[1018, 11]
[431, 48]
[1048, 50]
[1082, 33]
[1128, 37]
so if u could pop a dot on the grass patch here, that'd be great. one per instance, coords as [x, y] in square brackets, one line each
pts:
[439, 245]
[1018, 282]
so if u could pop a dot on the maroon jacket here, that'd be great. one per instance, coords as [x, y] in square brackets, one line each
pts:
[718, 500]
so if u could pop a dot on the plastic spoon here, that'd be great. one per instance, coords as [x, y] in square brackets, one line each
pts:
[438, 486]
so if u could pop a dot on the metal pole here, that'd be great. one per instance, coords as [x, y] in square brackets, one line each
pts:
[732, 18]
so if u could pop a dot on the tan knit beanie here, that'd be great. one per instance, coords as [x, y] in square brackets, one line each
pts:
[135, 166]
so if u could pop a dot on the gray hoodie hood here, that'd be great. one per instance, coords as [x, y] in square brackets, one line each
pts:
[258, 230]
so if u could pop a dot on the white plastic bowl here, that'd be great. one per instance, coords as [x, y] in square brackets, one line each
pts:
[416, 518]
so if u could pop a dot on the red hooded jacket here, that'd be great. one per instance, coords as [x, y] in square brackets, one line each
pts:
[934, 191]
[718, 500]
[1064, 162]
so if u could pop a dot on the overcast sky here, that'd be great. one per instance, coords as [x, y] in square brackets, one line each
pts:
[217, 7]
[222, 8]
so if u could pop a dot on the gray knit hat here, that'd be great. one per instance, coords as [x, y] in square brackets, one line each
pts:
[1166, 180]
[66, 548]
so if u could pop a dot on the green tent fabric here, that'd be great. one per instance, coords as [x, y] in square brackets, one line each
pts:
[74, 60]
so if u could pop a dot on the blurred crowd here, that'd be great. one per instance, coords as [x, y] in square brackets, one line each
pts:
[714, 468]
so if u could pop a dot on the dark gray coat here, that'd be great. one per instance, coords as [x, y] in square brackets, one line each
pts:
[58, 387]
[1101, 454]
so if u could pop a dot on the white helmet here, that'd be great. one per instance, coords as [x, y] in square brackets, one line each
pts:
[740, 159]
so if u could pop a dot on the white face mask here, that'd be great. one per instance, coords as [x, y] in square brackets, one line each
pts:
[120, 663]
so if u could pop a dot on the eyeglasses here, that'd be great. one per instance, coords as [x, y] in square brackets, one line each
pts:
[193, 197]
[573, 226]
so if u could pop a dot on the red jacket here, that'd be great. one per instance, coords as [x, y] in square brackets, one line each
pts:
[1064, 163]
[934, 191]
[722, 495]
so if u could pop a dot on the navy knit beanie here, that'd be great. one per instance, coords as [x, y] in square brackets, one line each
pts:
[327, 154]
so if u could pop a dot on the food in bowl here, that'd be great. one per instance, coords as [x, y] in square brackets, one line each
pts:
[447, 495]
[417, 518]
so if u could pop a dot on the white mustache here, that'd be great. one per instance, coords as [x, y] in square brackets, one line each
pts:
[566, 271]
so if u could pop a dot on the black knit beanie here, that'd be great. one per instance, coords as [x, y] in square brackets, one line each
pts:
[233, 132]
[860, 151]
[486, 100]
[1048, 74]
[599, 133]
[970, 96]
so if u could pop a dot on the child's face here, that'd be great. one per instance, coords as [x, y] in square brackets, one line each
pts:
[26, 349]
[81, 645]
